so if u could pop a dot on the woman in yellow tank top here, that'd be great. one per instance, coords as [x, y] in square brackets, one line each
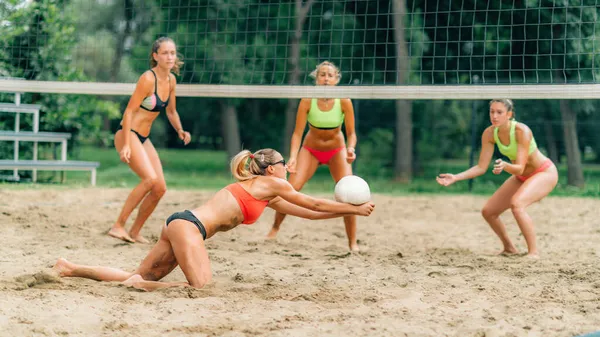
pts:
[533, 175]
[324, 143]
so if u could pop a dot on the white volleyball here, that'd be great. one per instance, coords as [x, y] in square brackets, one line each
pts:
[352, 190]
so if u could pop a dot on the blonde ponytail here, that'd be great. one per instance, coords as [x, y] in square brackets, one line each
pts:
[247, 165]
[238, 166]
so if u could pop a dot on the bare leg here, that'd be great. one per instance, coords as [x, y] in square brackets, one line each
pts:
[496, 205]
[65, 268]
[136, 281]
[158, 263]
[339, 168]
[305, 168]
[135, 197]
[534, 189]
[151, 200]
[141, 165]
[189, 249]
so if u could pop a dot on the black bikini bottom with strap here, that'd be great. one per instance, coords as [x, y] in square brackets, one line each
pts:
[188, 216]
[140, 137]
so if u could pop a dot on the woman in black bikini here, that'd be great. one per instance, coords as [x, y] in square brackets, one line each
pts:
[261, 182]
[133, 144]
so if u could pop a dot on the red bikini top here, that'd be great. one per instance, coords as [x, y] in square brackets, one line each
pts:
[251, 207]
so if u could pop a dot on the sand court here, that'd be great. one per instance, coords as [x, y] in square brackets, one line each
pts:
[427, 268]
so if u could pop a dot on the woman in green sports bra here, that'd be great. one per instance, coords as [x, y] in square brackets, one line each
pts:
[324, 144]
[533, 175]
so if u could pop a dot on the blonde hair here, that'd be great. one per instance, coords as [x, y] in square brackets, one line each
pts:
[315, 72]
[247, 165]
[508, 104]
[155, 46]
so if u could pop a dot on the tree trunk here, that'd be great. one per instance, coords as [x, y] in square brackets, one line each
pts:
[254, 110]
[119, 51]
[404, 139]
[574, 167]
[121, 37]
[294, 71]
[230, 129]
[550, 139]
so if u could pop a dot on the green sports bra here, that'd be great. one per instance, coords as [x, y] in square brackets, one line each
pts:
[325, 119]
[510, 150]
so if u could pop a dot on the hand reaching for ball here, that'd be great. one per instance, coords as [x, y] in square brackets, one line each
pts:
[365, 209]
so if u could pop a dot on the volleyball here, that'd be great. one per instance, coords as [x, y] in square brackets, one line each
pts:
[352, 190]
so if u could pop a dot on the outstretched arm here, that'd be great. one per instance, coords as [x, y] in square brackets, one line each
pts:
[282, 206]
[284, 189]
[487, 151]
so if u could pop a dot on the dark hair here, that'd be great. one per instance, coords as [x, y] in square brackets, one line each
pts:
[244, 169]
[155, 46]
[508, 104]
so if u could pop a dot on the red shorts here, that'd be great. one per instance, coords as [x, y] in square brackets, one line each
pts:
[546, 164]
[323, 156]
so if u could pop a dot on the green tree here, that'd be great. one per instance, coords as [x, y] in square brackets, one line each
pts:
[39, 39]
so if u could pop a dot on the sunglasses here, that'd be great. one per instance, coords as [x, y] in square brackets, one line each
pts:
[282, 161]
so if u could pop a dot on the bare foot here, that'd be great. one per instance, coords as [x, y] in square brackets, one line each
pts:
[63, 267]
[139, 239]
[273, 233]
[532, 256]
[354, 248]
[135, 282]
[508, 253]
[120, 233]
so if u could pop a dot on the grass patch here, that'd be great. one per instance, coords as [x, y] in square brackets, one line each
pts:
[209, 170]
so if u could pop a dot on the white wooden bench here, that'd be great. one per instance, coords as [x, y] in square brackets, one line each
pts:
[35, 136]
[18, 109]
[51, 165]
[49, 137]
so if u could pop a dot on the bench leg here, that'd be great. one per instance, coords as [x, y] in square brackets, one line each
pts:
[63, 157]
[35, 157]
[16, 144]
[16, 156]
[94, 177]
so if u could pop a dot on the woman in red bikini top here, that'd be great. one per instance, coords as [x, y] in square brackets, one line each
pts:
[324, 143]
[261, 182]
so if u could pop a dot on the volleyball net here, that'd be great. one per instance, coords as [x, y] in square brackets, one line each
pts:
[266, 49]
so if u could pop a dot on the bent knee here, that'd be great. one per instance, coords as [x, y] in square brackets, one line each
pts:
[201, 281]
[489, 213]
[149, 182]
[159, 188]
[517, 204]
[297, 183]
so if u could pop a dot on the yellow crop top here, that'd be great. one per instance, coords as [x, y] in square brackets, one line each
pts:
[326, 119]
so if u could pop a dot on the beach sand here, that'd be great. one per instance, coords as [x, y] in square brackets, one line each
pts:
[427, 268]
